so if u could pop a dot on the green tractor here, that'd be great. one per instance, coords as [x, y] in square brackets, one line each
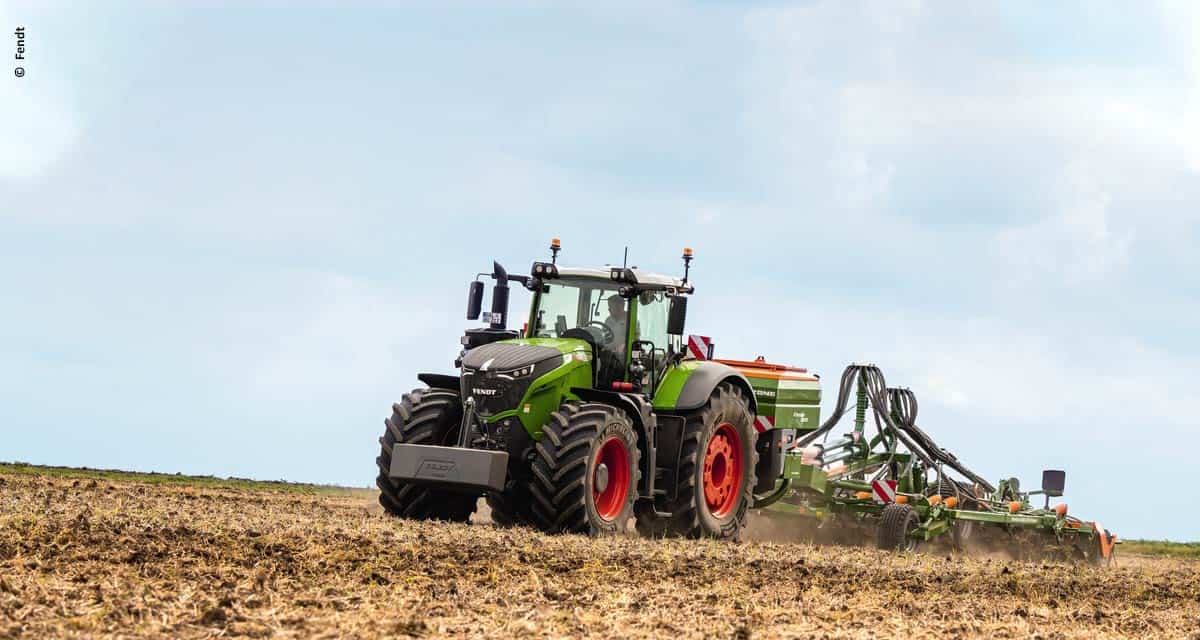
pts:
[595, 418]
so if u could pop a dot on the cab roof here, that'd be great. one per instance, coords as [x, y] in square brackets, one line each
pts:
[644, 278]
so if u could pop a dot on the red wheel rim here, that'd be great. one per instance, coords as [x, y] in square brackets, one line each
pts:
[615, 459]
[723, 470]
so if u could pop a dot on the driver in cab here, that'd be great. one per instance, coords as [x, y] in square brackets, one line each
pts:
[617, 321]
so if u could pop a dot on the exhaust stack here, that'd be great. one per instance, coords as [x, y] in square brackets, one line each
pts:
[499, 317]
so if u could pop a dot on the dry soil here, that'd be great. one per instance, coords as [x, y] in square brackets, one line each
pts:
[98, 557]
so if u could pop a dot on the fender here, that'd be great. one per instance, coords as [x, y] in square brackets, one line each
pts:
[687, 386]
[439, 381]
[644, 425]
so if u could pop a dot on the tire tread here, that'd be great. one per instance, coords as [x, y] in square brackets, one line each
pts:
[423, 416]
[559, 473]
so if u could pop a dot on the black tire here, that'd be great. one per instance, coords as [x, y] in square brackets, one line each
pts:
[961, 534]
[512, 508]
[571, 493]
[425, 416]
[961, 491]
[897, 522]
[693, 516]
[961, 531]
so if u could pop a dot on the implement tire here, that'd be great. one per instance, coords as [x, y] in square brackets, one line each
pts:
[961, 534]
[715, 475]
[430, 417]
[585, 474]
[963, 492]
[897, 521]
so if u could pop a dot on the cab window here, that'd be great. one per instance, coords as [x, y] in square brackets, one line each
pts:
[652, 318]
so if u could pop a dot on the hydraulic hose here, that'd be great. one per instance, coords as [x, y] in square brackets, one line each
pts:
[904, 428]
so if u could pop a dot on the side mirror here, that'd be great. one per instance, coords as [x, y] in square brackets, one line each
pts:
[677, 318]
[1053, 482]
[475, 300]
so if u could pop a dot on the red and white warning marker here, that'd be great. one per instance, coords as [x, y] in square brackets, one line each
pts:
[763, 423]
[700, 347]
[884, 490]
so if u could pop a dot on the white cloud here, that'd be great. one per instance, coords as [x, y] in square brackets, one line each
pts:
[1075, 245]
[1064, 167]
[942, 390]
[1181, 21]
[862, 181]
[1105, 392]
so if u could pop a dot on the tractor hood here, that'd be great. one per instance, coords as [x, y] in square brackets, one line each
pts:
[505, 357]
[497, 375]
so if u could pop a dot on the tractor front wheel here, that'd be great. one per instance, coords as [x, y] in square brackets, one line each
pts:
[430, 417]
[585, 474]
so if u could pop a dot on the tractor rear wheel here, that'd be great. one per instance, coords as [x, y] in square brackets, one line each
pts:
[897, 522]
[586, 473]
[715, 475]
[430, 417]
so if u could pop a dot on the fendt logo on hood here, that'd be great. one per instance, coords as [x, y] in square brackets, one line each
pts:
[484, 392]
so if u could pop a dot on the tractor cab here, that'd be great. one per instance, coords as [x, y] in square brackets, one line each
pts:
[627, 322]
[586, 411]
[622, 315]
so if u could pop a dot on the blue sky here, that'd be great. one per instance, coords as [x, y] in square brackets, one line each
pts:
[230, 238]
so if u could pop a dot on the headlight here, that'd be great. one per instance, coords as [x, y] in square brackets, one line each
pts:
[519, 373]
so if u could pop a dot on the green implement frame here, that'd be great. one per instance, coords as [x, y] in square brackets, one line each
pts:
[930, 495]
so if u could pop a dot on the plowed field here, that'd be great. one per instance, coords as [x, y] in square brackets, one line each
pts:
[98, 556]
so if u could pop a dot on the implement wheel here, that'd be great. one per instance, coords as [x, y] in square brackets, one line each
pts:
[585, 475]
[897, 522]
[961, 534]
[425, 416]
[716, 471]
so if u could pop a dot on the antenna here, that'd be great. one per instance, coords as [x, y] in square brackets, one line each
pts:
[625, 260]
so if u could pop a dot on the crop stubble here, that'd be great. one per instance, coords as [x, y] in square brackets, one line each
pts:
[97, 557]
